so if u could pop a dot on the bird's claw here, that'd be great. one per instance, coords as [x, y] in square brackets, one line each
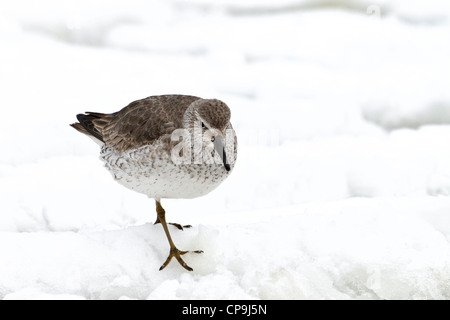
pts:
[174, 252]
[180, 227]
[176, 225]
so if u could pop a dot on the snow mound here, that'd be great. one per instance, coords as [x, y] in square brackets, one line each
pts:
[412, 114]
[360, 248]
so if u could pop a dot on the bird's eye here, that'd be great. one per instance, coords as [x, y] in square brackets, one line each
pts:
[213, 139]
[203, 125]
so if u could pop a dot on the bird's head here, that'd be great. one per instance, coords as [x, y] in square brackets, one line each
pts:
[214, 118]
[213, 114]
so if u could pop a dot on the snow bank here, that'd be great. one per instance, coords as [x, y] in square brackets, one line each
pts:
[407, 114]
[396, 249]
[415, 11]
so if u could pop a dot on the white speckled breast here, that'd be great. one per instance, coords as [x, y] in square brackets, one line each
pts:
[151, 171]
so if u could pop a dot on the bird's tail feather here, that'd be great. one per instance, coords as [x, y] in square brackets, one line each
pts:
[87, 126]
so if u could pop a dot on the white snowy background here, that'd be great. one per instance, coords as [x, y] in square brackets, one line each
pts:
[342, 185]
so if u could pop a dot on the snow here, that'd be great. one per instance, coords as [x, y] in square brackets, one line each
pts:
[341, 188]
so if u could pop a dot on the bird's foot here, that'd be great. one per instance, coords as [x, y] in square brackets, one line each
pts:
[179, 226]
[174, 252]
[176, 225]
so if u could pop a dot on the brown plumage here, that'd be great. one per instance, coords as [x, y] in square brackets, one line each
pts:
[138, 124]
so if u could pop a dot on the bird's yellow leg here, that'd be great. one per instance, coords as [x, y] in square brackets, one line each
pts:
[174, 252]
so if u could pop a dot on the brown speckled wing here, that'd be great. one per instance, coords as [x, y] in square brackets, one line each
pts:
[144, 121]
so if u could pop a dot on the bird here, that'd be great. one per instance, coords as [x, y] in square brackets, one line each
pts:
[166, 147]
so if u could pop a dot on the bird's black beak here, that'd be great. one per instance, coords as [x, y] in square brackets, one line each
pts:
[220, 149]
[227, 165]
